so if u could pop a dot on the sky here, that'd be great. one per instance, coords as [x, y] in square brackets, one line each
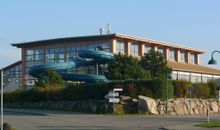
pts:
[192, 23]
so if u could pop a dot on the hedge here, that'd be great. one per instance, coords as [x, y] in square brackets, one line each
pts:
[95, 91]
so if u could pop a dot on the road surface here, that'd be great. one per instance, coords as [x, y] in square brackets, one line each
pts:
[26, 119]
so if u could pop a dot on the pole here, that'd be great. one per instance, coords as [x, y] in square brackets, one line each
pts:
[1, 99]
[218, 95]
[190, 102]
[167, 94]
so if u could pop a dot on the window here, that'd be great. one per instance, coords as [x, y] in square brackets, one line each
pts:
[160, 50]
[184, 76]
[192, 58]
[183, 57]
[172, 55]
[147, 48]
[120, 47]
[196, 78]
[55, 55]
[135, 49]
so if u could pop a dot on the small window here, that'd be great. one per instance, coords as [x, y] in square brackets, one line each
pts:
[183, 57]
[120, 47]
[147, 49]
[192, 58]
[172, 55]
[135, 49]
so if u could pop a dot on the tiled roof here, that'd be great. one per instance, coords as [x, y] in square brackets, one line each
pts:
[192, 68]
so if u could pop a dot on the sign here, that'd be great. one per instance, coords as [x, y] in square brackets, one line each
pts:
[117, 89]
[114, 100]
[112, 94]
[190, 88]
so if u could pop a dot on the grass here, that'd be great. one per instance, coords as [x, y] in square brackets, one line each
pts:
[210, 124]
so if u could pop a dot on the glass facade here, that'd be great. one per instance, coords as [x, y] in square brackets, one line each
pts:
[135, 49]
[182, 56]
[120, 47]
[13, 73]
[172, 55]
[196, 78]
[184, 76]
[53, 55]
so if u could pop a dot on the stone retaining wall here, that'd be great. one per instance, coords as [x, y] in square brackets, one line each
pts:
[145, 105]
[178, 107]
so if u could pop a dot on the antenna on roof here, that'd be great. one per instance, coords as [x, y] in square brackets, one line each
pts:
[101, 30]
[108, 28]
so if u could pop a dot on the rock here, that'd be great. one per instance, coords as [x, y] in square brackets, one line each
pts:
[172, 113]
[178, 108]
[214, 106]
[146, 104]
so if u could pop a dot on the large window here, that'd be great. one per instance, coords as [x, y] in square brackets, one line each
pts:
[192, 58]
[120, 47]
[172, 55]
[196, 78]
[54, 55]
[182, 56]
[135, 49]
[104, 45]
[147, 48]
[184, 76]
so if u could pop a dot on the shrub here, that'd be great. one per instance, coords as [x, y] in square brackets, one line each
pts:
[200, 90]
[213, 92]
[181, 88]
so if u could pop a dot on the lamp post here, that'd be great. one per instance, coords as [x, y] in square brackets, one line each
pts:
[1, 99]
[212, 61]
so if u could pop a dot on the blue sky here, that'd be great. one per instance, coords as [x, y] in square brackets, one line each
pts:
[193, 23]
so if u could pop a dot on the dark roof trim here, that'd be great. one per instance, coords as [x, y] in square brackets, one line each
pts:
[94, 37]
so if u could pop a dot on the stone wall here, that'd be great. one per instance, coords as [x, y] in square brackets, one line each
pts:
[180, 106]
[144, 105]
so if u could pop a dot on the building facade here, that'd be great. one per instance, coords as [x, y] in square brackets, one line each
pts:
[184, 61]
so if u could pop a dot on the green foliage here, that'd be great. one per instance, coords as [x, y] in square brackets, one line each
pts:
[155, 63]
[124, 67]
[209, 124]
[181, 88]
[201, 90]
[213, 92]
[50, 78]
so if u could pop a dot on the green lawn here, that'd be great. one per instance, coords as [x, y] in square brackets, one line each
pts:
[210, 124]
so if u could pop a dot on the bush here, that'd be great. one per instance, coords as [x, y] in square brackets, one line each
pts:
[200, 90]
[213, 92]
[181, 88]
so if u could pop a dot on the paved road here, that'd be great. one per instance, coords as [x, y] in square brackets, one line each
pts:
[23, 119]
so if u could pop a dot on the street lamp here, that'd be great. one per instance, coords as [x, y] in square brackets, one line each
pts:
[214, 62]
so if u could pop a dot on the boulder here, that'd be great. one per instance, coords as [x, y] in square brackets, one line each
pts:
[214, 106]
[178, 108]
[147, 105]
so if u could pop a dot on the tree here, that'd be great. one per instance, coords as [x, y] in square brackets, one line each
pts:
[213, 91]
[50, 78]
[124, 67]
[155, 63]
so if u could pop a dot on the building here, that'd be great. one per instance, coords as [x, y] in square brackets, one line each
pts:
[184, 61]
